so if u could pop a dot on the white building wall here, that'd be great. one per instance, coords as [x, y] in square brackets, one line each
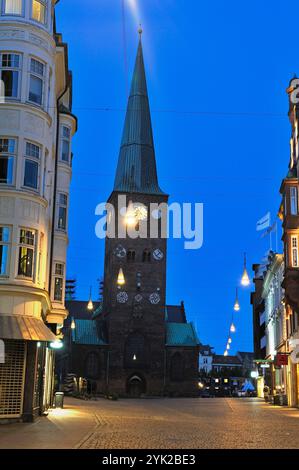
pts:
[20, 206]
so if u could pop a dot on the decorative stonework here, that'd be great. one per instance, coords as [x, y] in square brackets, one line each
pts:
[154, 299]
[122, 297]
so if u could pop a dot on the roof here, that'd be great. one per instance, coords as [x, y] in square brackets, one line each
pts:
[78, 309]
[181, 334]
[244, 355]
[226, 360]
[175, 314]
[87, 332]
[136, 170]
[24, 327]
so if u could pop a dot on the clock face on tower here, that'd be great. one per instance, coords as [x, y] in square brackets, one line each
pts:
[120, 251]
[158, 254]
[154, 298]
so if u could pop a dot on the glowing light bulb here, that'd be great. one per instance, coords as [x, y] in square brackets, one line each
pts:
[232, 328]
[229, 340]
[237, 305]
[73, 324]
[134, 357]
[228, 346]
[121, 278]
[90, 305]
[245, 281]
[225, 353]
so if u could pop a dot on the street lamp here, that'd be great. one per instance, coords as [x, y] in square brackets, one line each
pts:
[245, 280]
[237, 305]
[90, 303]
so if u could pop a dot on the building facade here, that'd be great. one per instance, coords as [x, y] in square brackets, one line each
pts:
[36, 129]
[289, 215]
[205, 359]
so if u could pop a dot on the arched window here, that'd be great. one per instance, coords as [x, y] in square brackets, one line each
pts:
[92, 366]
[146, 257]
[177, 367]
[131, 254]
[136, 354]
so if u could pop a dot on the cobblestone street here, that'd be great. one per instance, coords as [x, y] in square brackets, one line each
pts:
[159, 424]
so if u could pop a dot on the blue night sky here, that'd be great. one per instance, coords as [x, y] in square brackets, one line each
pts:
[221, 68]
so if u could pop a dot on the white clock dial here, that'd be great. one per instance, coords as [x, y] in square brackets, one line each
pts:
[158, 254]
[120, 251]
[122, 297]
[154, 298]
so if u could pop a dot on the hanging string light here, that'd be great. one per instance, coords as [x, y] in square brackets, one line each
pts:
[245, 280]
[237, 305]
[227, 346]
[73, 324]
[90, 303]
[225, 353]
[229, 340]
[232, 328]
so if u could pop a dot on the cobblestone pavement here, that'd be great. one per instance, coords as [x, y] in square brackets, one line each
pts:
[160, 424]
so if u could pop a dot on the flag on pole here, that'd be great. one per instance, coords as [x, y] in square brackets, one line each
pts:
[271, 229]
[264, 222]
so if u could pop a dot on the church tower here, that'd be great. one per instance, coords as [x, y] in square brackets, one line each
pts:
[135, 268]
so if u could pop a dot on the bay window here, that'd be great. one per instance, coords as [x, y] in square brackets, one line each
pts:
[294, 200]
[58, 282]
[31, 170]
[26, 253]
[8, 149]
[5, 240]
[10, 70]
[36, 81]
[13, 7]
[62, 211]
[65, 144]
[38, 10]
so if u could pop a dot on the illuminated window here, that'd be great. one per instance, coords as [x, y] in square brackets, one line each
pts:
[26, 253]
[294, 244]
[294, 200]
[13, 7]
[8, 149]
[62, 211]
[36, 83]
[58, 282]
[10, 71]
[5, 233]
[39, 10]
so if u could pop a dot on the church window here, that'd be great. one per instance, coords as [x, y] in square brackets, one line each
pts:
[177, 367]
[92, 366]
[131, 254]
[136, 351]
[146, 257]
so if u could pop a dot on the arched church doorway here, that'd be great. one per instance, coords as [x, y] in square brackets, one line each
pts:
[136, 386]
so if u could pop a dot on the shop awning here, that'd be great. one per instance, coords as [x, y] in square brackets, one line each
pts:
[24, 328]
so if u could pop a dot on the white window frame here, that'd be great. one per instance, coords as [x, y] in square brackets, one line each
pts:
[9, 154]
[59, 275]
[63, 206]
[65, 138]
[294, 200]
[37, 75]
[28, 246]
[12, 68]
[45, 4]
[7, 244]
[35, 159]
[12, 14]
[294, 251]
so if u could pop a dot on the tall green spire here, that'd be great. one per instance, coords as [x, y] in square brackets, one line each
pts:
[136, 169]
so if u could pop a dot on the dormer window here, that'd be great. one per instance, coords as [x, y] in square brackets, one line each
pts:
[13, 7]
[39, 11]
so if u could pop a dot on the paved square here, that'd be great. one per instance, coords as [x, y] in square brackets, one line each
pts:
[159, 424]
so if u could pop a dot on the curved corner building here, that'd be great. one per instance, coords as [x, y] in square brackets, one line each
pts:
[36, 129]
